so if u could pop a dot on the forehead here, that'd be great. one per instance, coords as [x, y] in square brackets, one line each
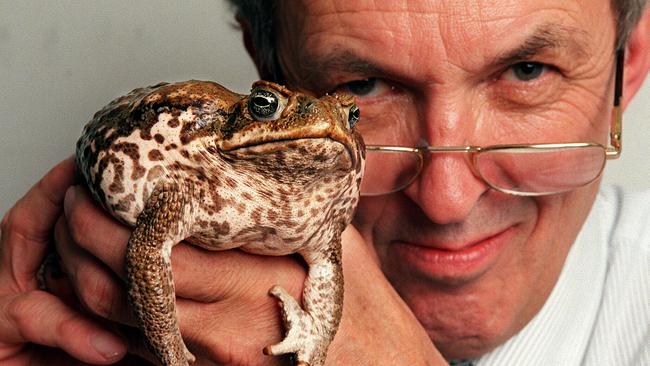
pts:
[465, 33]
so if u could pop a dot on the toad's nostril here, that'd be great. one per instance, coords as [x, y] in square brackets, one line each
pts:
[307, 107]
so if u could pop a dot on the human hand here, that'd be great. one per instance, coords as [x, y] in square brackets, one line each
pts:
[35, 326]
[225, 313]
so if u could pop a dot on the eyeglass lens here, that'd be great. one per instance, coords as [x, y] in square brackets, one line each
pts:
[540, 171]
[389, 171]
[521, 170]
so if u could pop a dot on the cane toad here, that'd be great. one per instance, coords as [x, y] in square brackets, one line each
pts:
[273, 172]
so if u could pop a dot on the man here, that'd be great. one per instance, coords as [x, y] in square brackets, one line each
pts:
[503, 255]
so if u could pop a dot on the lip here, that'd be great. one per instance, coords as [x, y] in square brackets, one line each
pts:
[453, 263]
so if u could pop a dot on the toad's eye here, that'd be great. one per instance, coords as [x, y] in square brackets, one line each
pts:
[353, 115]
[264, 105]
[526, 71]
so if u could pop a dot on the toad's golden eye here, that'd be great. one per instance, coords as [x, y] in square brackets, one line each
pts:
[264, 105]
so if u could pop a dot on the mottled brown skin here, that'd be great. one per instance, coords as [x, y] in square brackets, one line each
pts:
[193, 161]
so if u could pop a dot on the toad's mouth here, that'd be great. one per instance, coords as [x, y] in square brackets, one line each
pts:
[307, 149]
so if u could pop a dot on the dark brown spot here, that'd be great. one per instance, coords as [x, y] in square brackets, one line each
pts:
[138, 172]
[155, 155]
[159, 138]
[271, 215]
[173, 123]
[256, 215]
[125, 203]
[241, 208]
[116, 187]
[222, 229]
[231, 182]
[288, 223]
[198, 157]
[129, 149]
[155, 172]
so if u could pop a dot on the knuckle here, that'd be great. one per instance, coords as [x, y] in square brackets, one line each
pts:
[21, 311]
[19, 225]
[15, 309]
[96, 293]
[69, 326]
[78, 226]
[13, 222]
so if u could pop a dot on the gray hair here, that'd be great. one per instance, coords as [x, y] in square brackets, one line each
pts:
[259, 15]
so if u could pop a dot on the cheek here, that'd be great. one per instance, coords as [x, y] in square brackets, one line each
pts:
[559, 220]
[369, 211]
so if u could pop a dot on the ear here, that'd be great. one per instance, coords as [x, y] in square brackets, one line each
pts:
[262, 71]
[637, 58]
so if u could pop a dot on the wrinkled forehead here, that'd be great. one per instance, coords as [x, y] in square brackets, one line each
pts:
[465, 33]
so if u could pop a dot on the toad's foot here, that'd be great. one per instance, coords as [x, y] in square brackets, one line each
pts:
[302, 337]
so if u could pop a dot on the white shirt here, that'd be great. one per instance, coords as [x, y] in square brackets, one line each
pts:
[599, 311]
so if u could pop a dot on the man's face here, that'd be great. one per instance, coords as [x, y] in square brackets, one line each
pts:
[474, 265]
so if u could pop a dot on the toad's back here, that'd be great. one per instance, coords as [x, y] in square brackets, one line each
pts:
[141, 137]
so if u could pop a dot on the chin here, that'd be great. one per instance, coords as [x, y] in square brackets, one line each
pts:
[462, 321]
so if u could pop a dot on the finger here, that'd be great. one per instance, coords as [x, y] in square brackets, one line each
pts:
[208, 276]
[55, 280]
[95, 230]
[41, 318]
[98, 289]
[26, 228]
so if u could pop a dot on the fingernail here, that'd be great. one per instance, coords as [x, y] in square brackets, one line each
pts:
[107, 345]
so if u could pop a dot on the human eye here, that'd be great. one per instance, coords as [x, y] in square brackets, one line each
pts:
[366, 89]
[526, 71]
[529, 83]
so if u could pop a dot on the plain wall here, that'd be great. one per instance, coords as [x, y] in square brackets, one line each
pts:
[60, 61]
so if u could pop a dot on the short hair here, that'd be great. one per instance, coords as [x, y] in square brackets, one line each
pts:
[259, 17]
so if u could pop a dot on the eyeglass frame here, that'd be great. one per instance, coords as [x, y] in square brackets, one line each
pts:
[611, 152]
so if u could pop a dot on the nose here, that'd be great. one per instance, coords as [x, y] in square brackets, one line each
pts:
[447, 189]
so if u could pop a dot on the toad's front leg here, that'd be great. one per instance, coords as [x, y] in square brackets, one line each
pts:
[309, 332]
[151, 287]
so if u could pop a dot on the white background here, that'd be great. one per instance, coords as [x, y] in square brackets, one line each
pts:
[60, 61]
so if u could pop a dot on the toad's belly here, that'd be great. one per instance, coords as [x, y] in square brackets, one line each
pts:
[266, 238]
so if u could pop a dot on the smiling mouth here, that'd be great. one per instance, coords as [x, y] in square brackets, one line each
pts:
[453, 263]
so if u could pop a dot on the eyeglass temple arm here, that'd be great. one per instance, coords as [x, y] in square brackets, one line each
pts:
[616, 138]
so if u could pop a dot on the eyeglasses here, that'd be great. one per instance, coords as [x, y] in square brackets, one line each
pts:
[517, 169]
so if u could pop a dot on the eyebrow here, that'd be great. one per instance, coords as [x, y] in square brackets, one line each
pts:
[547, 37]
[337, 60]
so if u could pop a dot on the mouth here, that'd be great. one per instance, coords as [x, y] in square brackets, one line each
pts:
[306, 147]
[453, 263]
